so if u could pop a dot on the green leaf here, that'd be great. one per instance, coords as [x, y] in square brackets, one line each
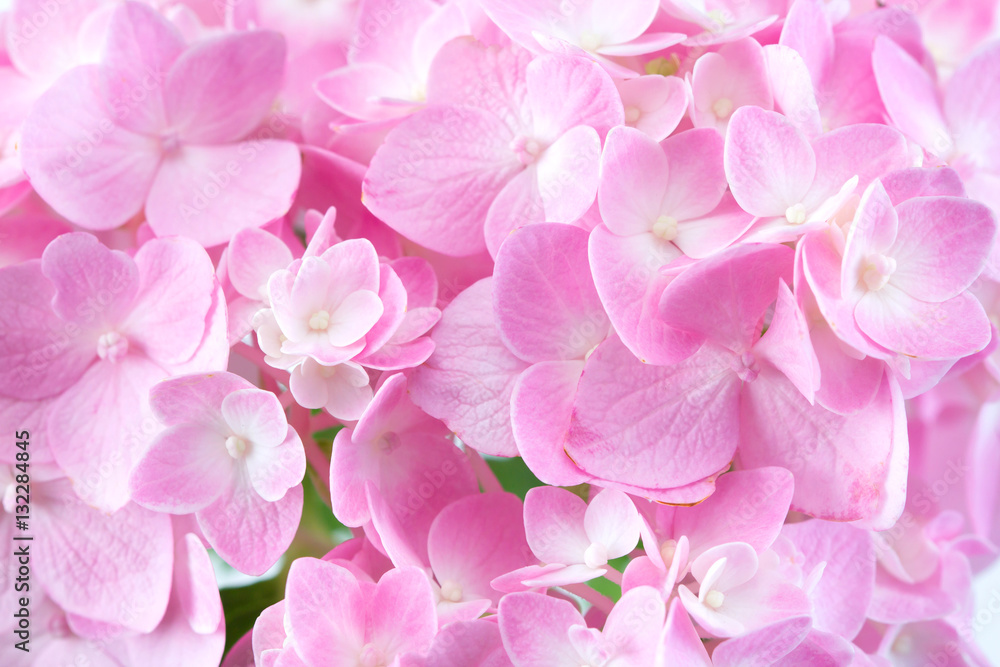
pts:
[513, 475]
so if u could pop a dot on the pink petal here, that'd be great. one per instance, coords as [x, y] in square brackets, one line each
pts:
[194, 399]
[546, 304]
[864, 150]
[953, 328]
[469, 643]
[465, 160]
[767, 187]
[195, 586]
[634, 625]
[325, 611]
[540, 412]
[467, 382]
[185, 469]
[973, 122]
[842, 476]
[941, 246]
[222, 88]
[42, 355]
[171, 311]
[910, 97]
[403, 616]
[635, 171]
[209, 193]
[845, 589]
[807, 29]
[775, 641]
[247, 531]
[257, 415]
[652, 426]
[787, 345]
[132, 549]
[566, 91]
[554, 525]
[733, 77]
[357, 90]
[697, 177]
[118, 392]
[476, 539]
[724, 297]
[253, 256]
[568, 174]
[847, 384]
[534, 629]
[88, 169]
[141, 47]
[680, 641]
[629, 281]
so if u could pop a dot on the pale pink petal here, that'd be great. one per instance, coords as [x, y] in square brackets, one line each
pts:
[680, 641]
[568, 174]
[185, 469]
[253, 256]
[634, 176]
[358, 90]
[973, 122]
[864, 150]
[554, 525]
[787, 345]
[847, 384]
[194, 399]
[941, 246]
[634, 625]
[118, 392]
[209, 193]
[718, 229]
[807, 29]
[769, 163]
[467, 643]
[222, 88]
[723, 81]
[42, 355]
[132, 550]
[953, 328]
[273, 471]
[476, 539]
[325, 608]
[88, 169]
[910, 97]
[653, 104]
[247, 531]
[612, 521]
[775, 641]
[697, 176]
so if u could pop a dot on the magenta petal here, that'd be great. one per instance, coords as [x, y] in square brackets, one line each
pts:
[209, 193]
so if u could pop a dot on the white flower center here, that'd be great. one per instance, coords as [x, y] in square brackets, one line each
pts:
[319, 321]
[526, 149]
[667, 551]
[236, 446]
[796, 214]
[590, 41]
[632, 114]
[596, 555]
[877, 271]
[112, 346]
[665, 227]
[722, 108]
[451, 591]
[714, 599]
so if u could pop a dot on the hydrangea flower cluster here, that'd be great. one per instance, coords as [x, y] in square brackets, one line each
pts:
[292, 286]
